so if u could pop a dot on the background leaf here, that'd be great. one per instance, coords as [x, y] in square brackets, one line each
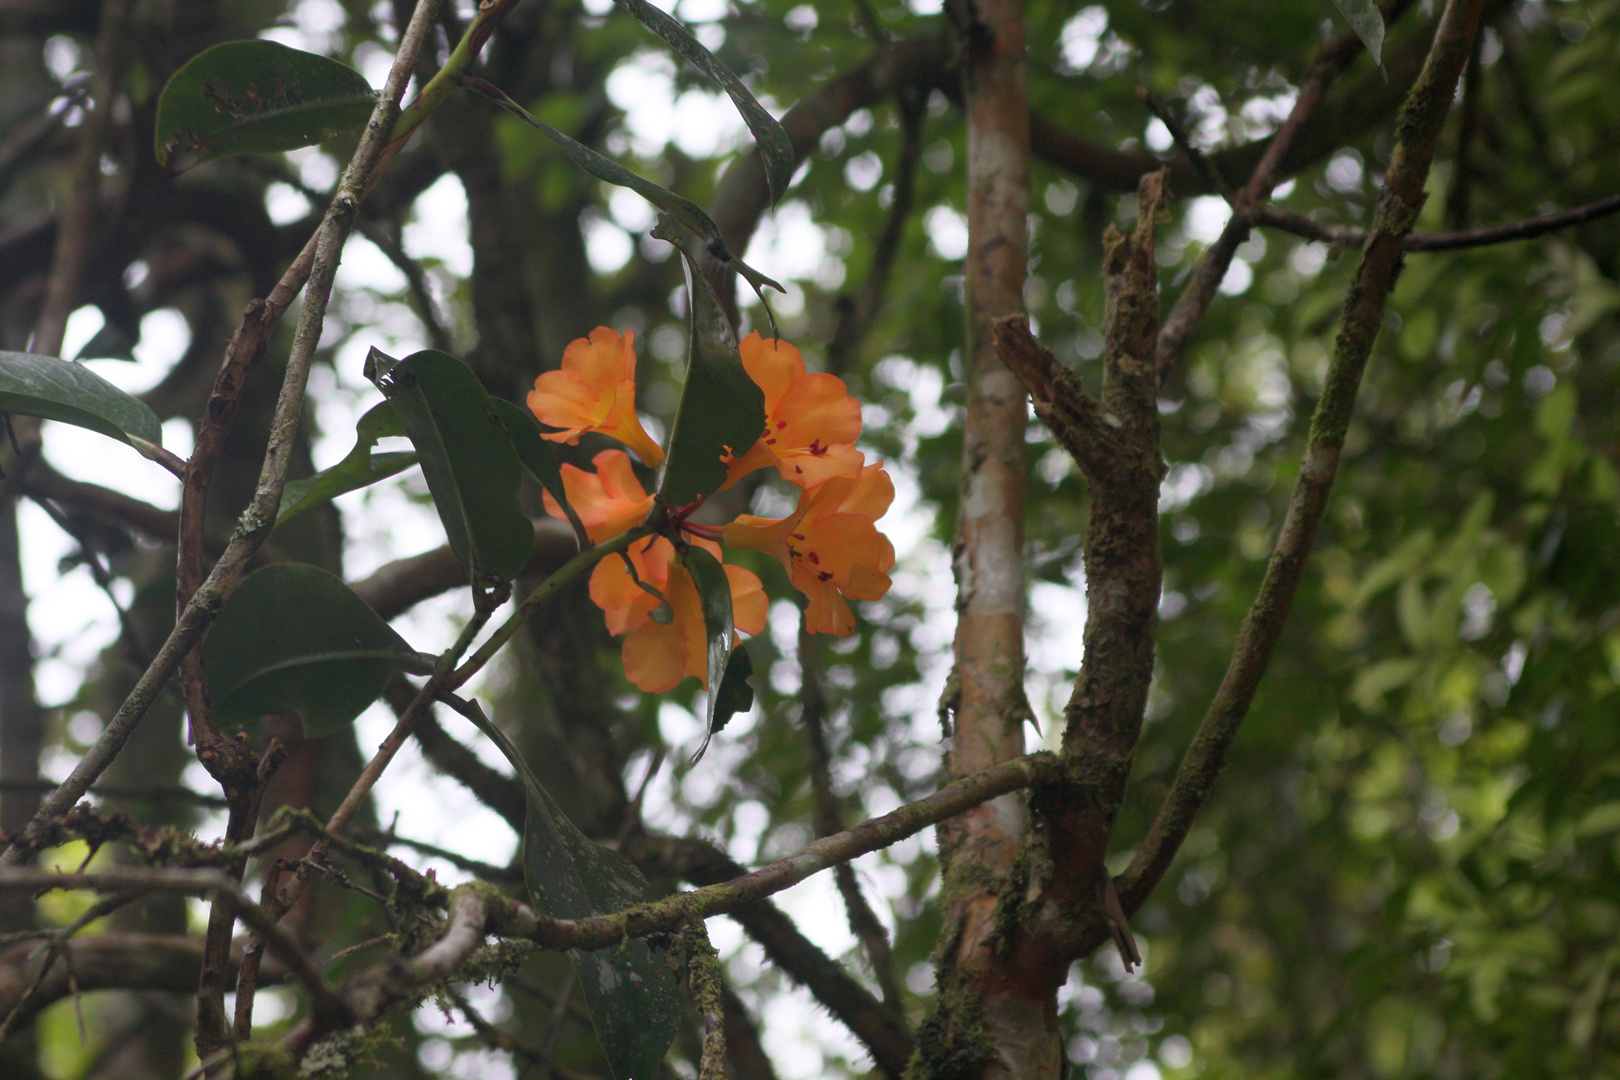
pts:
[44, 386]
[720, 407]
[294, 638]
[1368, 23]
[467, 458]
[256, 97]
[633, 989]
[537, 456]
[359, 468]
[775, 148]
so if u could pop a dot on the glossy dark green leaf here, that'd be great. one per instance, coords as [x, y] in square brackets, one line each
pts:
[775, 148]
[467, 458]
[358, 469]
[256, 97]
[690, 215]
[1368, 23]
[294, 638]
[721, 410]
[34, 385]
[714, 594]
[538, 457]
[633, 989]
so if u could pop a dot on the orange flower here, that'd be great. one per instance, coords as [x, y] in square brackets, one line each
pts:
[610, 501]
[811, 422]
[830, 545]
[595, 391]
[657, 656]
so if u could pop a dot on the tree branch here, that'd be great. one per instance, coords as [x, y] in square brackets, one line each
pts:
[1418, 130]
[1528, 229]
[206, 601]
[1182, 322]
[104, 962]
[200, 883]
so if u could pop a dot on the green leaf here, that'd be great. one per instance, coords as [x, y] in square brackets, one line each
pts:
[775, 148]
[357, 470]
[1368, 23]
[257, 97]
[729, 691]
[467, 458]
[295, 639]
[721, 408]
[735, 694]
[538, 457]
[687, 212]
[632, 988]
[43, 386]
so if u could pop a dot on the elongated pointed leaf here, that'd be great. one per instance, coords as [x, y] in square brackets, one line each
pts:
[467, 458]
[721, 410]
[775, 148]
[729, 691]
[633, 990]
[687, 212]
[538, 457]
[358, 469]
[1368, 23]
[43, 386]
[255, 97]
[295, 639]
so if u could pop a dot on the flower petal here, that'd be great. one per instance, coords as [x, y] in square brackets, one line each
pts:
[749, 604]
[561, 399]
[653, 658]
[773, 365]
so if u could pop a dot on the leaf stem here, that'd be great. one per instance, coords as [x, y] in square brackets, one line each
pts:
[543, 592]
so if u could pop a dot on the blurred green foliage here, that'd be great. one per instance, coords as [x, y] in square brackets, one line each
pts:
[1410, 867]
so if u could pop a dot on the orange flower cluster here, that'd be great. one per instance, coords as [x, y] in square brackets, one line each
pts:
[830, 544]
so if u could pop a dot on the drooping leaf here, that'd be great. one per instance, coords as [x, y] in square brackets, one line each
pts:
[537, 456]
[721, 410]
[467, 458]
[358, 469]
[53, 389]
[775, 148]
[729, 691]
[1368, 23]
[735, 695]
[632, 989]
[688, 213]
[294, 638]
[256, 97]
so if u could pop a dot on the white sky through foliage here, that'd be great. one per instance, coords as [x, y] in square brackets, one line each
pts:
[73, 621]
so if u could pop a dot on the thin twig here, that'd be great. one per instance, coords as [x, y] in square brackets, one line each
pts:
[202, 883]
[1528, 229]
[1183, 140]
[863, 921]
[76, 230]
[1421, 121]
[1182, 322]
[596, 932]
[704, 980]
[254, 526]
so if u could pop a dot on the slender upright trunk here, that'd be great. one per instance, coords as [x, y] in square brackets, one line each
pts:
[983, 1025]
